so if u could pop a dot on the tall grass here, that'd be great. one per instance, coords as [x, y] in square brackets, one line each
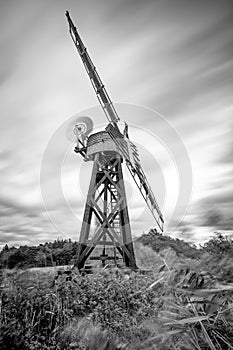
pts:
[180, 305]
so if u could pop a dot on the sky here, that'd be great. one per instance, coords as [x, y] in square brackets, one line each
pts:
[168, 66]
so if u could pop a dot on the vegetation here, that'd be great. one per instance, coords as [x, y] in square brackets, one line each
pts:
[63, 252]
[59, 252]
[159, 242]
[184, 302]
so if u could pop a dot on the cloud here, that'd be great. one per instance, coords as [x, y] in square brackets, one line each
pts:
[226, 159]
[21, 224]
[216, 210]
[197, 68]
[174, 56]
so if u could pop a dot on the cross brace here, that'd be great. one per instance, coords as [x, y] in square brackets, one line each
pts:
[106, 202]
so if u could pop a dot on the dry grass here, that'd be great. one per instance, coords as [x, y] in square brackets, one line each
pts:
[181, 305]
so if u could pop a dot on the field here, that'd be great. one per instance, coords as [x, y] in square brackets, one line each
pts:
[180, 301]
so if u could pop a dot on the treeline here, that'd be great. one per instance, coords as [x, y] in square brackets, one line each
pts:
[63, 252]
[219, 246]
[59, 252]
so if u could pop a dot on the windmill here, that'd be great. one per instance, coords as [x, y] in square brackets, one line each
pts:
[106, 199]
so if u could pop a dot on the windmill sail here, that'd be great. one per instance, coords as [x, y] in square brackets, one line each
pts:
[129, 151]
[97, 84]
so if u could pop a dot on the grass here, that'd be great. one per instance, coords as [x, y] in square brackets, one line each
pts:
[183, 303]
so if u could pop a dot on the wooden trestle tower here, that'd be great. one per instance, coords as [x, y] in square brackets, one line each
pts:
[106, 204]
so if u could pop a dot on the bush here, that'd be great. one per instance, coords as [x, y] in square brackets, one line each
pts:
[37, 316]
[219, 245]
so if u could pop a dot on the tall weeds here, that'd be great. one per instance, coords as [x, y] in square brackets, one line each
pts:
[180, 305]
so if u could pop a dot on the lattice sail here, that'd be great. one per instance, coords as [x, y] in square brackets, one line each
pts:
[96, 81]
[126, 147]
[129, 151]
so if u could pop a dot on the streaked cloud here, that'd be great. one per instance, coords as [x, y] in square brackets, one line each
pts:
[174, 56]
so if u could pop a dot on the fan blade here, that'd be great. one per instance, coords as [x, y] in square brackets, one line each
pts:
[84, 124]
[129, 151]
